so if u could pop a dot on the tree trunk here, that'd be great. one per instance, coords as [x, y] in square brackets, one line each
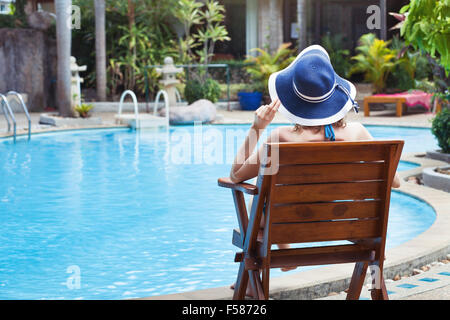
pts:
[100, 49]
[131, 22]
[63, 46]
[301, 24]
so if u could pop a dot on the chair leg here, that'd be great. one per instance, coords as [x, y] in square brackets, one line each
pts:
[255, 282]
[265, 282]
[357, 281]
[241, 284]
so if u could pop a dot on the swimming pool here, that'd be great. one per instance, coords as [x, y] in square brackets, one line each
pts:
[133, 214]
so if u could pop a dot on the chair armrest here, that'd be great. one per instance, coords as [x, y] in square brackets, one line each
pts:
[244, 187]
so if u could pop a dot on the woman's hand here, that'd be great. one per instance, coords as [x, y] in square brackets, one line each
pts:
[265, 114]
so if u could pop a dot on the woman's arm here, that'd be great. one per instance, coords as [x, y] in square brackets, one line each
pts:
[246, 163]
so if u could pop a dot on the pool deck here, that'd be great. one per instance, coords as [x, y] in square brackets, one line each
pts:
[429, 247]
[223, 117]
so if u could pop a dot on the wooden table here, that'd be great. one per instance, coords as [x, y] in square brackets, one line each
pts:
[399, 101]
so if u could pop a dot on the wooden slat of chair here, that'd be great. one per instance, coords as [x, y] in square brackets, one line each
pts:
[321, 192]
[341, 172]
[327, 192]
[324, 231]
[320, 255]
[305, 212]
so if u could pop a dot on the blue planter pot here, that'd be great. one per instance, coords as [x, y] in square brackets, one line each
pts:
[250, 100]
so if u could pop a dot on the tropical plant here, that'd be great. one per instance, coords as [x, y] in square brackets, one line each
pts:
[262, 66]
[206, 20]
[199, 46]
[138, 34]
[83, 110]
[338, 55]
[375, 60]
[412, 69]
[440, 128]
[213, 32]
[195, 90]
[188, 13]
[427, 27]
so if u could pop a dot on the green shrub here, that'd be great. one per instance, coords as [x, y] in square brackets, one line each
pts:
[375, 60]
[440, 127]
[7, 21]
[83, 110]
[262, 66]
[195, 90]
[339, 56]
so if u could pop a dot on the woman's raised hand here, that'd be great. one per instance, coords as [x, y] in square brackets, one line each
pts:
[265, 114]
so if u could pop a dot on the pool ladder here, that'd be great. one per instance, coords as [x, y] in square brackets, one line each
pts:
[147, 120]
[9, 114]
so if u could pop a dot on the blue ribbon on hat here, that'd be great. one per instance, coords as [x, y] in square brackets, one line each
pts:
[354, 103]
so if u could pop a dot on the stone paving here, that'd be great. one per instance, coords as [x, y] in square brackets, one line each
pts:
[229, 117]
[432, 284]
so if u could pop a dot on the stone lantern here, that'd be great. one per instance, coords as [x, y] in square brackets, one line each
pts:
[76, 81]
[169, 80]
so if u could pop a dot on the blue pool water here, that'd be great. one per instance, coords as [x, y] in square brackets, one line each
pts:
[134, 214]
[406, 165]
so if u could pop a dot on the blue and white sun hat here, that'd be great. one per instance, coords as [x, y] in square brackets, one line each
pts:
[310, 91]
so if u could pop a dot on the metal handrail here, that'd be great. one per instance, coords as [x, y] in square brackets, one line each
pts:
[11, 114]
[5, 113]
[136, 108]
[25, 109]
[166, 104]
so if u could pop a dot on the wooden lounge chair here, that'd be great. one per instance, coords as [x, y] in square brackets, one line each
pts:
[322, 191]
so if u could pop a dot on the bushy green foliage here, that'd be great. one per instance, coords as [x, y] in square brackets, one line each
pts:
[263, 65]
[83, 110]
[441, 129]
[339, 57]
[427, 27]
[412, 69]
[136, 36]
[375, 60]
[7, 21]
[16, 17]
[196, 89]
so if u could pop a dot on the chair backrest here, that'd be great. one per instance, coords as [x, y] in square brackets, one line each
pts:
[327, 191]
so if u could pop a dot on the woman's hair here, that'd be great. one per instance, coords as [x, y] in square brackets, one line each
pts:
[338, 124]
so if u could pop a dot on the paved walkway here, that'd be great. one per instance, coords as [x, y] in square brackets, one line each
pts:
[433, 284]
[377, 117]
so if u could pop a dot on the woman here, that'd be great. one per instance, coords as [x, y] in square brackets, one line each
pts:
[312, 96]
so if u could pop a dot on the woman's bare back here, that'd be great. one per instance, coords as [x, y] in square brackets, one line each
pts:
[352, 131]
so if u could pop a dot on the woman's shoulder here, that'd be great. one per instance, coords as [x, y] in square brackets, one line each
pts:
[280, 133]
[358, 130]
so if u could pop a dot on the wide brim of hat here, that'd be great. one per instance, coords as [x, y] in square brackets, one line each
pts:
[306, 113]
